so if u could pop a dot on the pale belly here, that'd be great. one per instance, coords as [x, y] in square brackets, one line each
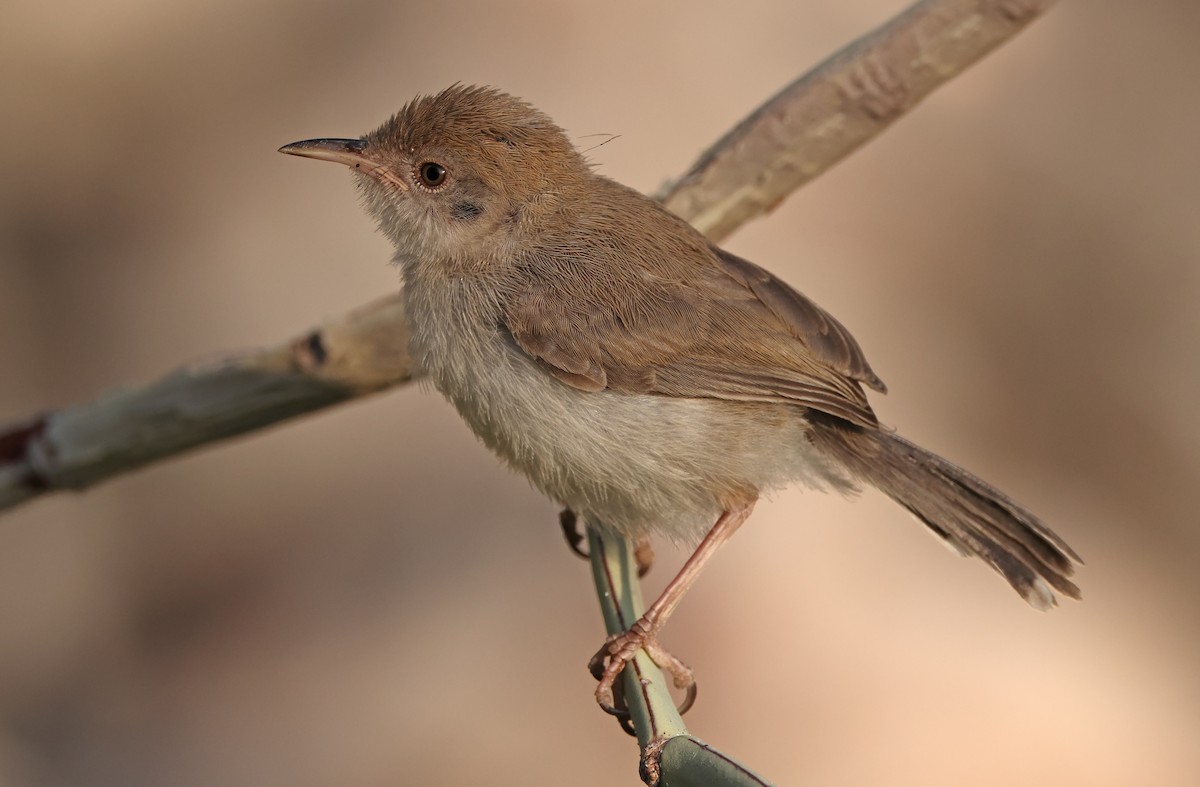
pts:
[635, 464]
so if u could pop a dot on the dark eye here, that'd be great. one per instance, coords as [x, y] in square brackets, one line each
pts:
[431, 174]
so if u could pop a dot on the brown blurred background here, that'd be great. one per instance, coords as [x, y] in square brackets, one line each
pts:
[365, 597]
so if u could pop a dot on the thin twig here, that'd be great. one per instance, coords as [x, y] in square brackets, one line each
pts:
[670, 754]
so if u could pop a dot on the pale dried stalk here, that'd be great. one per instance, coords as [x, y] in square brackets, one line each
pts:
[798, 134]
[824, 115]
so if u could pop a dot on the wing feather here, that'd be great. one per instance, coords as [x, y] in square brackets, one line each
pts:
[668, 313]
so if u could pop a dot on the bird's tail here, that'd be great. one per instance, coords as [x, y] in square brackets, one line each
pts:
[974, 517]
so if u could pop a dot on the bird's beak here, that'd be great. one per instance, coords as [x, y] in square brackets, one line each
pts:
[351, 152]
[354, 153]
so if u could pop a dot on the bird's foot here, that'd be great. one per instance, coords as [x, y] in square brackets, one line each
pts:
[618, 650]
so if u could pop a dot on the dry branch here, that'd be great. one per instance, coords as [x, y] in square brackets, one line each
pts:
[827, 113]
[360, 353]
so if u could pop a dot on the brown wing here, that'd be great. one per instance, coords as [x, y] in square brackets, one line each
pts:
[680, 317]
[827, 338]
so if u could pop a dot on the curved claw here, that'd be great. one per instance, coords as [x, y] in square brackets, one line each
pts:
[568, 520]
[617, 651]
[689, 700]
[624, 719]
[606, 665]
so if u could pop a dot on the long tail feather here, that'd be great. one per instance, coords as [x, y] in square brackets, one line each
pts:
[973, 516]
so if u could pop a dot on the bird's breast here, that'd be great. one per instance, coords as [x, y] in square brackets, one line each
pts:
[637, 463]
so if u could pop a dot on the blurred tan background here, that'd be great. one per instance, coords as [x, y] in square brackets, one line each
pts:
[365, 597]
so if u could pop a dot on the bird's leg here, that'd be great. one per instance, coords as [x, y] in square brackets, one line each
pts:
[568, 520]
[619, 650]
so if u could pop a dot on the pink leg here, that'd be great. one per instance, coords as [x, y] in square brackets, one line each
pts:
[608, 662]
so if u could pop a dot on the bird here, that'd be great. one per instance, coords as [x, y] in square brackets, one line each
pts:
[632, 370]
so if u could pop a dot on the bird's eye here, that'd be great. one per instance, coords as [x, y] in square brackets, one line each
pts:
[431, 174]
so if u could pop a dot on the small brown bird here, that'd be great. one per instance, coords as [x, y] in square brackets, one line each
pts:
[635, 372]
